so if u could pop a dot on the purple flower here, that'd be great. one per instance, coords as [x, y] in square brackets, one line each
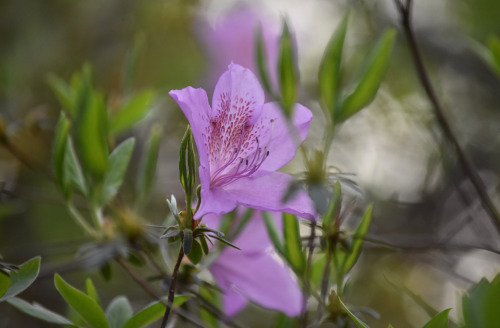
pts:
[241, 143]
[254, 273]
[233, 37]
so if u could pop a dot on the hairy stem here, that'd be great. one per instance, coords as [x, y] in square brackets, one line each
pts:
[464, 160]
[171, 291]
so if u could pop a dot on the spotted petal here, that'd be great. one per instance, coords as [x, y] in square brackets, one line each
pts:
[285, 139]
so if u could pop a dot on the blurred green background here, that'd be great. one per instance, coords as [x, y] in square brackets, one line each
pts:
[423, 201]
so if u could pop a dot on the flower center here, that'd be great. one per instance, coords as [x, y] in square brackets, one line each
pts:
[237, 167]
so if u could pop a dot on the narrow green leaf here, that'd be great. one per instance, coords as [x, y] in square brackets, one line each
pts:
[333, 208]
[90, 126]
[119, 311]
[150, 313]
[272, 231]
[183, 170]
[243, 222]
[356, 320]
[117, 166]
[214, 297]
[22, 278]
[494, 46]
[64, 93]
[38, 311]
[284, 321]
[261, 56]
[371, 77]
[439, 321]
[187, 241]
[81, 303]
[204, 245]
[329, 70]
[147, 168]
[286, 71]
[225, 242]
[203, 229]
[4, 283]
[92, 291]
[172, 231]
[196, 253]
[58, 148]
[73, 174]
[360, 233]
[133, 111]
[293, 245]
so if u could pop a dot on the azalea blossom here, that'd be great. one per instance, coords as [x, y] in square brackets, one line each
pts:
[232, 38]
[255, 273]
[241, 143]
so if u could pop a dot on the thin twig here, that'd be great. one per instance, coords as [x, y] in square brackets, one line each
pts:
[152, 292]
[466, 163]
[171, 291]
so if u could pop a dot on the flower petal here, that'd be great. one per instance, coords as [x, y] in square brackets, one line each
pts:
[194, 104]
[213, 200]
[238, 92]
[262, 279]
[284, 143]
[265, 192]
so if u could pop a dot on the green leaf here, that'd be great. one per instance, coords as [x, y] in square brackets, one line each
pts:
[4, 283]
[63, 91]
[92, 291]
[333, 208]
[117, 166]
[372, 74]
[480, 304]
[59, 147]
[119, 311]
[439, 321]
[73, 174]
[214, 297]
[293, 245]
[22, 278]
[187, 241]
[286, 71]
[133, 111]
[147, 315]
[196, 253]
[90, 126]
[284, 321]
[261, 56]
[225, 242]
[272, 231]
[38, 311]
[204, 245]
[349, 260]
[356, 320]
[106, 271]
[494, 47]
[145, 178]
[81, 303]
[329, 70]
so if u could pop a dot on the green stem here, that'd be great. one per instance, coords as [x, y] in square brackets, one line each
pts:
[81, 221]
